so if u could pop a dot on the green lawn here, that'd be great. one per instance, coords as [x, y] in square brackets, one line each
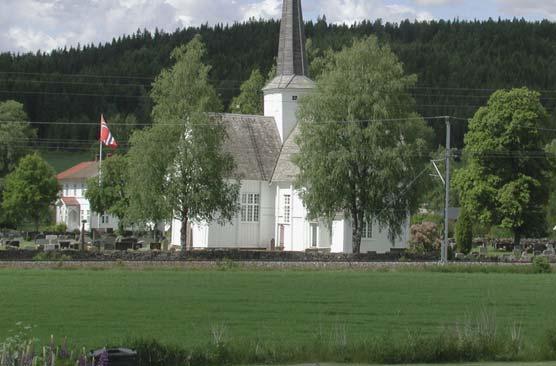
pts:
[93, 307]
[63, 160]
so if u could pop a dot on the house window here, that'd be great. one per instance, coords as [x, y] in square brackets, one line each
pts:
[294, 97]
[75, 190]
[250, 207]
[65, 190]
[287, 207]
[104, 219]
[367, 230]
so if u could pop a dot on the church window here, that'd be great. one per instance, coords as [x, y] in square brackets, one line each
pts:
[250, 207]
[367, 230]
[287, 207]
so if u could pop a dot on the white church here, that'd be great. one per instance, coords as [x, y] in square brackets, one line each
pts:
[271, 210]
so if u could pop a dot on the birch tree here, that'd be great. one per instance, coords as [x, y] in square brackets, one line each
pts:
[197, 183]
[362, 146]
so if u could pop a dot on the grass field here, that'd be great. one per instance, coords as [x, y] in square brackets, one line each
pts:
[62, 160]
[183, 307]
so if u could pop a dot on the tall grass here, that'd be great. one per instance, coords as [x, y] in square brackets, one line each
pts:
[476, 339]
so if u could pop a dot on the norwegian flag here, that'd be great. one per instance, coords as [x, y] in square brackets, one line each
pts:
[105, 136]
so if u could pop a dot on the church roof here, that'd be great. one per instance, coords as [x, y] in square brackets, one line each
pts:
[254, 143]
[292, 69]
[285, 169]
[290, 82]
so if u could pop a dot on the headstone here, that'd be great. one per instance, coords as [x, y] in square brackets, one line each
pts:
[525, 256]
[483, 250]
[51, 247]
[549, 250]
[460, 256]
[41, 242]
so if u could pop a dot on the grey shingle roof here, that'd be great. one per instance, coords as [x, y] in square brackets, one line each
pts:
[292, 57]
[254, 143]
[290, 82]
[285, 169]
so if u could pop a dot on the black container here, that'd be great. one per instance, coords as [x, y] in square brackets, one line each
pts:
[117, 356]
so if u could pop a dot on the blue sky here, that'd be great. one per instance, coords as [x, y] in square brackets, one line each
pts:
[29, 25]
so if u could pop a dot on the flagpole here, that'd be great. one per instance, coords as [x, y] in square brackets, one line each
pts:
[100, 168]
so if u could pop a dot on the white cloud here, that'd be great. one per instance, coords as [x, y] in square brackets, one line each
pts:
[264, 9]
[435, 2]
[522, 8]
[350, 11]
[47, 24]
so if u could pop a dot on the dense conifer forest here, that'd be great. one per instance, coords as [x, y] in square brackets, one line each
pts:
[458, 63]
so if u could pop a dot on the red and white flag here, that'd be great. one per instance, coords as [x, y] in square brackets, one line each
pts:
[105, 135]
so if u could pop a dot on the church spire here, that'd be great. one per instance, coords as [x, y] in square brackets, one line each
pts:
[292, 56]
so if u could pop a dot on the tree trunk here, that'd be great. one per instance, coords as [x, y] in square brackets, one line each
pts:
[356, 236]
[183, 232]
[37, 223]
[517, 239]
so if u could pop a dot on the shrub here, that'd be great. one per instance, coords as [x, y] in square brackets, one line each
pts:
[56, 229]
[425, 237]
[464, 233]
[51, 256]
[541, 265]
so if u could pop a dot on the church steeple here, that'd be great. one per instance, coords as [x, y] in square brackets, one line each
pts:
[292, 56]
[292, 72]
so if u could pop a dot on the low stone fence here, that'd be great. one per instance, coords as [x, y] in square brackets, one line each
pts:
[214, 255]
[248, 265]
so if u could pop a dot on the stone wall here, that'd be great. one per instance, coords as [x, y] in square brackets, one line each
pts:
[215, 255]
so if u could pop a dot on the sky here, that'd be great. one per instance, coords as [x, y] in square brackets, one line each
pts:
[31, 25]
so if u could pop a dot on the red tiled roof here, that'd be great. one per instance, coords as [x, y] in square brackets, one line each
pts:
[83, 170]
[70, 201]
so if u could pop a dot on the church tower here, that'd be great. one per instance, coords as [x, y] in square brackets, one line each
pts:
[292, 73]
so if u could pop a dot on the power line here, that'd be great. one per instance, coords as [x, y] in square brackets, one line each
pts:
[63, 123]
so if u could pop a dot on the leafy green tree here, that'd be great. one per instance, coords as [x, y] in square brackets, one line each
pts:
[551, 206]
[15, 135]
[506, 181]
[30, 190]
[150, 151]
[109, 193]
[195, 184]
[250, 100]
[464, 233]
[362, 146]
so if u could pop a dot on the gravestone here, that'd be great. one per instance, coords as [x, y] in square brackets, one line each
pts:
[51, 247]
[41, 242]
[483, 250]
[549, 250]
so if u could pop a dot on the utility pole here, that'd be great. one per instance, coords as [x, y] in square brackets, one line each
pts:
[444, 250]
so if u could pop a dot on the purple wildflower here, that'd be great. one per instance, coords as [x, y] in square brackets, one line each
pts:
[82, 360]
[64, 353]
[103, 358]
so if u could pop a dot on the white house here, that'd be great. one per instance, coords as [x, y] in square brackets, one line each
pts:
[263, 146]
[72, 207]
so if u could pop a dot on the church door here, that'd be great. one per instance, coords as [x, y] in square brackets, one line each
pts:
[281, 228]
